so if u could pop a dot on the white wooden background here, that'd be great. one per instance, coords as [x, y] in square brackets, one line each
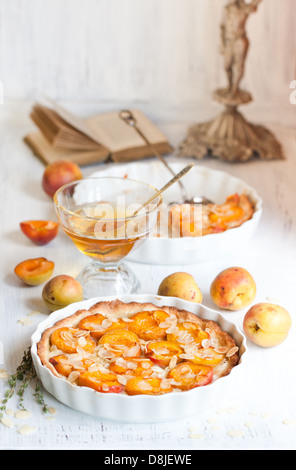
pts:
[144, 51]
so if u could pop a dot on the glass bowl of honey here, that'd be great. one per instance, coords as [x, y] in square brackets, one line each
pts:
[107, 218]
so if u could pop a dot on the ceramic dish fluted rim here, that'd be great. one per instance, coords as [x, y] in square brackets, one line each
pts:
[126, 400]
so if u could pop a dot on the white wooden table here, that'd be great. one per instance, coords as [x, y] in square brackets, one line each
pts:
[260, 413]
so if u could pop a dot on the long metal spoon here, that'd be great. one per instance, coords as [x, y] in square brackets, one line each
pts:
[174, 180]
[127, 116]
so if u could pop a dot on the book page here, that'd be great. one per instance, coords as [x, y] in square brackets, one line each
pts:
[117, 135]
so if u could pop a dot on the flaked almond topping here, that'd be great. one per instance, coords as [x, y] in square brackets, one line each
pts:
[73, 376]
[105, 354]
[122, 379]
[162, 351]
[126, 319]
[82, 341]
[80, 333]
[173, 362]
[206, 343]
[132, 352]
[145, 365]
[131, 365]
[186, 356]
[220, 350]
[172, 329]
[106, 323]
[232, 351]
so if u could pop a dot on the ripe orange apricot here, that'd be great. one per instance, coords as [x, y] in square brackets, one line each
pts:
[147, 386]
[122, 342]
[64, 367]
[69, 339]
[40, 232]
[208, 356]
[35, 271]
[186, 331]
[98, 324]
[146, 325]
[161, 352]
[101, 382]
[188, 375]
[59, 173]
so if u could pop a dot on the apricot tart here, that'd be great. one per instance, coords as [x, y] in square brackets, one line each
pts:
[137, 348]
[185, 220]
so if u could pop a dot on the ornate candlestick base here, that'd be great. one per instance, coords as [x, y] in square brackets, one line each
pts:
[230, 136]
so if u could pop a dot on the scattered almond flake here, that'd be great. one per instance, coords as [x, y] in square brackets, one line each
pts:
[165, 383]
[164, 324]
[122, 379]
[235, 433]
[105, 387]
[173, 362]
[73, 376]
[106, 323]
[4, 374]
[172, 330]
[132, 352]
[7, 422]
[145, 365]
[9, 412]
[289, 422]
[50, 418]
[22, 414]
[221, 410]
[132, 365]
[220, 350]
[194, 435]
[26, 429]
[212, 420]
[249, 424]
[33, 313]
[82, 342]
[214, 428]
[52, 410]
[265, 415]
[127, 319]
[206, 343]
[208, 330]
[105, 354]
[156, 369]
[25, 321]
[232, 351]
[253, 413]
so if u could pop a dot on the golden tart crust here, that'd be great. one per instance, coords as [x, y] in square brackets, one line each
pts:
[151, 349]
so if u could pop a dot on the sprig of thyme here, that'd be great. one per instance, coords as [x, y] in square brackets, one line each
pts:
[25, 373]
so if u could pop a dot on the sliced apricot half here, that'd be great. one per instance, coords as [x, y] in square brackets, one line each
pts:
[147, 325]
[134, 366]
[69, 339]
[161, 352]
[40, 232]
[35, 271]
[188, 332]
[148, 386]
[121, 343]
[64, 365]
[208, 356]
[98, 324]
[101, 382]
[188, 375]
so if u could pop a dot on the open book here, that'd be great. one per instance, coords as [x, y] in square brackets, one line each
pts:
[63, 135]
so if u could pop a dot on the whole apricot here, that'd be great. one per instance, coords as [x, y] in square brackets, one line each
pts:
[182, 285]
[61, 291]
[59, 173]
[267, 324]
[35, 271]
[233, 289]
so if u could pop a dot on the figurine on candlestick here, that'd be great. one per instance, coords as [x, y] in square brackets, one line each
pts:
[230, 136]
